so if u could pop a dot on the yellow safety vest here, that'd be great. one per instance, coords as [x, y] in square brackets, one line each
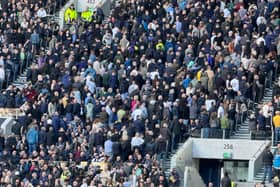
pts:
[70, 15]
[73, 15]
[67, 15]
[87, 15]
[160, 46]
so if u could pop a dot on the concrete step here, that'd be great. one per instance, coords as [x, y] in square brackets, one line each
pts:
[21, 76]
[242, 132]
[266, 97]
[240, 137]
[167, 162]
[19, 83]
[243, 128]
[259, 176]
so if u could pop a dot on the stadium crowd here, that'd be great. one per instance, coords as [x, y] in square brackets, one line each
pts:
[107, 100]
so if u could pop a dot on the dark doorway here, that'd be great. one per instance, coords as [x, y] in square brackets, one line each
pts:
[210, 171]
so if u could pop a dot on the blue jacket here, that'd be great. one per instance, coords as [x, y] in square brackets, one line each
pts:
[90, 71]
[66, 80]
[56, 122]
[186, 82]
[113, 82]
[35, 38]
[276, 162]
[32, 136]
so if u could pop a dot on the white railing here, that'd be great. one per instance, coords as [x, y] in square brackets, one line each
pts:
[255, 163]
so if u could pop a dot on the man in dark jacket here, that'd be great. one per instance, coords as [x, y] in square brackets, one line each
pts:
[176, 132]
[226, 181]
[2, 142]
[267, 162]
[204, 123]
[161, 148]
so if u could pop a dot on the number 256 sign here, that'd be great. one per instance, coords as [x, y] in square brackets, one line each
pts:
[228, 146]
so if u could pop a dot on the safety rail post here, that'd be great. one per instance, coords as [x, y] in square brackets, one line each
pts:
[224, 133]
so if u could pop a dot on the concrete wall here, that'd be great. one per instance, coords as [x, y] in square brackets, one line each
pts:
[192, 178]
[183, 157]
[255, 163]
[187, 166]
[186, 159]
[81, 5]
[214, 148]
[7, 125]
[249, 184]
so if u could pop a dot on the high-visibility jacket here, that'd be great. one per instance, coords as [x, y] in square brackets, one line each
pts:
[70, 15]
[160, 46]
[87, 15]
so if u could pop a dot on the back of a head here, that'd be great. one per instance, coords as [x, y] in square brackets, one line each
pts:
[226, 174]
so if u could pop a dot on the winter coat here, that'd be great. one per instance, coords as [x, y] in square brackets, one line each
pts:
[193, 111]
[204, 120]
[276, 163]
[267, 158]
[89, 110]
[32, 136]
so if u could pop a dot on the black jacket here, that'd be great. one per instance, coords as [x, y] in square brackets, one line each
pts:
[267, 158]
[226, 182]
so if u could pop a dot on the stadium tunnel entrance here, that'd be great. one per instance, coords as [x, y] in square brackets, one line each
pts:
[212, 170]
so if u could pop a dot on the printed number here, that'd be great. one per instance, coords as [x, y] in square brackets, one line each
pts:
[228, 146]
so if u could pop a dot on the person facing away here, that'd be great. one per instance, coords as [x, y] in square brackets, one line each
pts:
[226, 181]
[267, 162]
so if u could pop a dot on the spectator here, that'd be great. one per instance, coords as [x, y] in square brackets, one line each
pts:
[41, 13]
[2, 142]
[226, 181]
[268, 162]
[32, 139]
[2, 76]
[35, 40]
[276, 164]
[252, 125]
[225, 125]
[276, 123]
[149, 64]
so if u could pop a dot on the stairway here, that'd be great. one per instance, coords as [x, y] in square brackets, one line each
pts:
[167, 163]
[259, 176]
[243, 129]
[21, 80]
